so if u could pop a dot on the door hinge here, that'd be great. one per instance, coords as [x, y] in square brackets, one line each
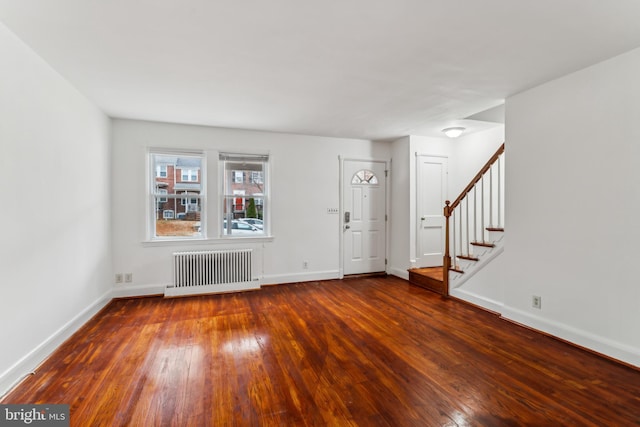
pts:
[385, 261]
[386, 218]
[386, 173]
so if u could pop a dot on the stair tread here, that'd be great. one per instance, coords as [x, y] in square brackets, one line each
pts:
[495, 229]
[435, 273]
[483, 244]
[468, 257]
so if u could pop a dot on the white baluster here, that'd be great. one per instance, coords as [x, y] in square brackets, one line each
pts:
[475, 213]
[453, 236]
[491, 196]
[499, 193]
[466, 198]
[482, 209]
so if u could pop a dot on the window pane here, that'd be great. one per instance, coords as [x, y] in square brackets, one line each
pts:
[243, 200]
[364, 176]
[177, 196]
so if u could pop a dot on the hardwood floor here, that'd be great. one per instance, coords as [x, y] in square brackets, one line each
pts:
[368, 352]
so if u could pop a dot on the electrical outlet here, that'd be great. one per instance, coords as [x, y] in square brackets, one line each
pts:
[118, 277]
[305, 264]
[536, 302]
[128, 277]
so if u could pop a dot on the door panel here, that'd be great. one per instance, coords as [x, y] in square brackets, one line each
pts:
[364, 233]
[431, 195]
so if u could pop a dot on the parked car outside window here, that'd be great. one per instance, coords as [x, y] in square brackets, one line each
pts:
[253, 221]
[239, 227]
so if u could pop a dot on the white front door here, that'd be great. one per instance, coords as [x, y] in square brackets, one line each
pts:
[432, 193]
[364, 216]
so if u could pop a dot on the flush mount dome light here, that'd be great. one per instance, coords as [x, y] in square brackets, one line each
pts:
[453, 132]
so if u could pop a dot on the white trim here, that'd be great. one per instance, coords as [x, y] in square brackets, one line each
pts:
[240, 239]
[127, 291]
[605, 346]
[276, 279]
[171, 291]
[398, 272]
[267, 161]
[340, 219]
[29, 363]
[150, 170]
[479, 300]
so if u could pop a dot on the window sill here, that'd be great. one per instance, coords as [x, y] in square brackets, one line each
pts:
[206, 241]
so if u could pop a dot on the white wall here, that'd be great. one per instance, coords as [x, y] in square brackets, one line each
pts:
[304, 179]
[470, 153]
[573, 204]
[55, 248]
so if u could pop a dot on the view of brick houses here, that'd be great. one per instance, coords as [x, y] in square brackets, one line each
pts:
[178, 176]
[179, 191]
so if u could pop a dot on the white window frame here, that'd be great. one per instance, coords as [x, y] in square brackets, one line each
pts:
[256, 177]
[227, 196]
[155, 195]
[162, 199]
[190, 174]
[160, 169]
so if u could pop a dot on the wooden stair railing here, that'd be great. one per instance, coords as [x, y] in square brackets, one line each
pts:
[464, 237]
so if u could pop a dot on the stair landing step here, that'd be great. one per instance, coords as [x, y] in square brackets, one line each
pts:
[431, 278]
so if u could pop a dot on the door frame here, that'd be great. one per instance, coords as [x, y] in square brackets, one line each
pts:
[416, 225]
[341, 224]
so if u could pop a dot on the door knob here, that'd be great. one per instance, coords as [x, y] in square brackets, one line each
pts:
[346, 227]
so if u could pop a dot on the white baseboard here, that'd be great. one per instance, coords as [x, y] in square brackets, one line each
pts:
[137, 290]
[211, 289]
[478, 300]
[403, 274]
[301, 277]
[35, 357]
[605, 346]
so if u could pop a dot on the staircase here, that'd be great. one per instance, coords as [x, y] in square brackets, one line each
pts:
[474, 230]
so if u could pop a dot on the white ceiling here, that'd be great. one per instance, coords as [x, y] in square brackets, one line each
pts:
[372, 69]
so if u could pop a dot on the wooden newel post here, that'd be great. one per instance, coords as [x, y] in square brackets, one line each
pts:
[446, 262]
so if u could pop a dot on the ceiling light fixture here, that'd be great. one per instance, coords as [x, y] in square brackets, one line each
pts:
[453, 132]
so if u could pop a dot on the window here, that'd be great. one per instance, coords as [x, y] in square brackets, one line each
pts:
[256, 177]
[189, 175]
[161, 171]
[172, 199]
[243, 200]
[364, 176]
[187, 202]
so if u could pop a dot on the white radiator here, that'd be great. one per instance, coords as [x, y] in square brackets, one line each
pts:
[201, 272]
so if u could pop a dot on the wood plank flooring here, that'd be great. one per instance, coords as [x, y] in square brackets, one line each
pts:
[360, 352]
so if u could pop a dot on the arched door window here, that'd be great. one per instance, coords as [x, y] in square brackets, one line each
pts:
[365, 177]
